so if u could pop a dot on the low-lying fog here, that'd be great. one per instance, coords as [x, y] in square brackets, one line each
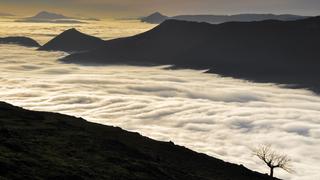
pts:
[223, 117]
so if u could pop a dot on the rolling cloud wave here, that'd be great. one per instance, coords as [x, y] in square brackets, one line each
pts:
[223, 117]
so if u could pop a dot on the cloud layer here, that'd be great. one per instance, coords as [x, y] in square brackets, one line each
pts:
[43, 32]
[223, 117]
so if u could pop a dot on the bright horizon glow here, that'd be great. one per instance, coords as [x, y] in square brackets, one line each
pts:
[128, 8]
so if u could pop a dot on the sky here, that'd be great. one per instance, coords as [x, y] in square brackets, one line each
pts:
[133, 8]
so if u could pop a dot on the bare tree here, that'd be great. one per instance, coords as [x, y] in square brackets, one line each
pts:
[273, 159]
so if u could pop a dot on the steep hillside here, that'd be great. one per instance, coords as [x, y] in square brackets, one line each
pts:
[41, 145]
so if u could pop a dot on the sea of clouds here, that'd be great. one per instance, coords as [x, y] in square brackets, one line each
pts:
[43, 32]
[220, 116]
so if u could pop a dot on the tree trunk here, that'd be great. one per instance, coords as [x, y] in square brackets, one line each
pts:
[271, 171]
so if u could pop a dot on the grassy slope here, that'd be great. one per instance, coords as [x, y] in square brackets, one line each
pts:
[40, 145]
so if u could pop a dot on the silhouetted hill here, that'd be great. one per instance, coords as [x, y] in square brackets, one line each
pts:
[41, 145]
[154, 18]
[158, 18]
[71, 41]
[267, 51]
[49, 17]
[23, 41]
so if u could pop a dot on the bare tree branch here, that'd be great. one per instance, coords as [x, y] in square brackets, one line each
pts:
[273, 159]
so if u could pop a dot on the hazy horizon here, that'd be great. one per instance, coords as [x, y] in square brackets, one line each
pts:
[126, 8]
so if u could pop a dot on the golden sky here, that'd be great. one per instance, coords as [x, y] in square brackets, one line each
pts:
[130, 8]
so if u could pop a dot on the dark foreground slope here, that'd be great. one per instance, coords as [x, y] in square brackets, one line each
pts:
[72, 41]
[23, 41]
[40, 145]
[267, 51]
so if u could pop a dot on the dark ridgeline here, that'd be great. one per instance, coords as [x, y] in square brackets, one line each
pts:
[72, 41]
[23, 41]
[157, 18]
[40, 145]
[266, 51]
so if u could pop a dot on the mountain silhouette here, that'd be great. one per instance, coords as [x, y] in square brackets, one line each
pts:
[49, 17]
[42, 145]
[154, 18]
[158, 18]
[23, 41]
[266, 51]
[72, 41]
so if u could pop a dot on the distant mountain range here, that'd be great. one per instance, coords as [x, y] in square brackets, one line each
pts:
[49, 17]
[41, 145]
[157, 18]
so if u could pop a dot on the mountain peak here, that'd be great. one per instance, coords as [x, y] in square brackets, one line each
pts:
[157, 13]
[71, 33]
[44, 12]
[49, 15]
[72, 40]
[72, 30]
[155, 18]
